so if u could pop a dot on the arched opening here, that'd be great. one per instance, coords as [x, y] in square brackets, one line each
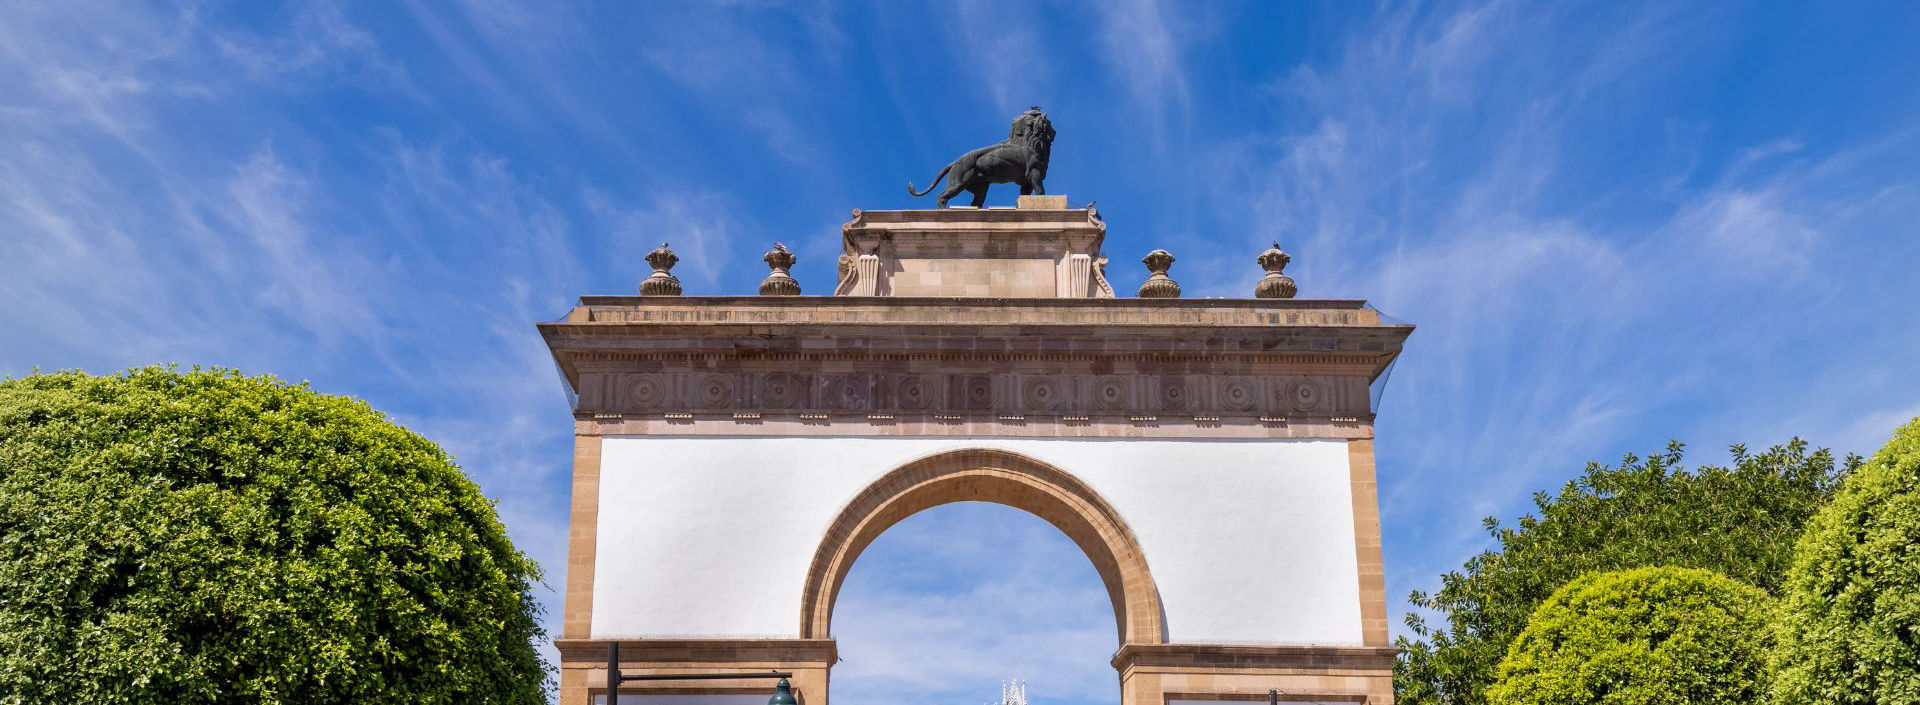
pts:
[998, 477]
[949, 603]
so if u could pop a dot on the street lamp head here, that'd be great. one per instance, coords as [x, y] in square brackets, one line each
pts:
[782, 694]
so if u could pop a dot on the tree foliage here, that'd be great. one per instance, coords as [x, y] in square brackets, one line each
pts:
[1849, 625]
[1739, 521]
[1645, 636]
[199, 537]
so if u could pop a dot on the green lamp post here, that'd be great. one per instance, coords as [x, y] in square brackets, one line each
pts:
[782, 693]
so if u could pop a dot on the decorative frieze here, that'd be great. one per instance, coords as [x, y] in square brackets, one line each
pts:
[1245, 368]
[1007, 394]
[971, 424]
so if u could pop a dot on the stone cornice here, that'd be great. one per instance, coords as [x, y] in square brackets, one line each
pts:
[1044, 221]
[869, 325]
[946, 357]
[660, 652]
[1280, 657]
[963, 230]
[946, 310]
[974, 425]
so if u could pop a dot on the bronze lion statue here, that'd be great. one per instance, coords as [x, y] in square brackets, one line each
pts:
[1019, 159]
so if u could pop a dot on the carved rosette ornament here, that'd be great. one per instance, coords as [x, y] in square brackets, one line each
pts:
[1275, 285]
[782, 390]
[780, 283]
[661, 282]
[1159, 286]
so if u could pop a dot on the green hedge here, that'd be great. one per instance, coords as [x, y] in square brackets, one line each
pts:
[1646, 635]
[1849, 628]
[200, 537]
[1740, 521]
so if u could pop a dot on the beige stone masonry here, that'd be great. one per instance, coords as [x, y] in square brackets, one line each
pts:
[583, 529]
[1245, 367]
[1367, 545]
[1001, 477]
[1040, 249]
[1045, 202]
[583, 672]
[977, 425]
[997, 323]
[946, 310]
[1154, 674]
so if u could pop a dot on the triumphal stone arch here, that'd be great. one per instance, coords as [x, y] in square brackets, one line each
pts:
[1212, 457]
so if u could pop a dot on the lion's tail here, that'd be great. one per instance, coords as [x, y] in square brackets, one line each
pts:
[936, 182]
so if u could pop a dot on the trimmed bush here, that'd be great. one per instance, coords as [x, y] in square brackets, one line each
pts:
[1849, 626]
[1646, 635]
[1740, 521]
[202, 537]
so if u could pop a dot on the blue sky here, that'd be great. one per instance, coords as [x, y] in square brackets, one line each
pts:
[1615, 223]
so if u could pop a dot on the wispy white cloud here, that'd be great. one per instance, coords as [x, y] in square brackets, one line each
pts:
[1869, 432]
[723, 56]
[699, 225]
[161, 199]
[1428, 171]
[1000, 43]
[128, 244]
[1142, 43]
[1754, 233]
[319, 43]
[323, 289]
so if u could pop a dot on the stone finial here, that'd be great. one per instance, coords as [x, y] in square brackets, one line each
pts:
[1275, 285]
[661, 282]
[1159, 286]
[780, 283]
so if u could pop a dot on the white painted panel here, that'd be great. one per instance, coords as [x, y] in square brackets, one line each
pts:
[1248, 541]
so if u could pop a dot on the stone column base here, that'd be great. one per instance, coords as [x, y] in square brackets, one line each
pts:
[1156, 674]
[583, 666]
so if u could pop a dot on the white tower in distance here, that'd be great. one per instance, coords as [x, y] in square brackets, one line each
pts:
[1012, 692]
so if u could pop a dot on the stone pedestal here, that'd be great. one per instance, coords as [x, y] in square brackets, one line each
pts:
[1041, 249]
[1042, 203]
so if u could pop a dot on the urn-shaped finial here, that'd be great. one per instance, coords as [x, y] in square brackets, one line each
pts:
[780, 283]
[1159, 286]
[1275, 285]
[661, 282]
